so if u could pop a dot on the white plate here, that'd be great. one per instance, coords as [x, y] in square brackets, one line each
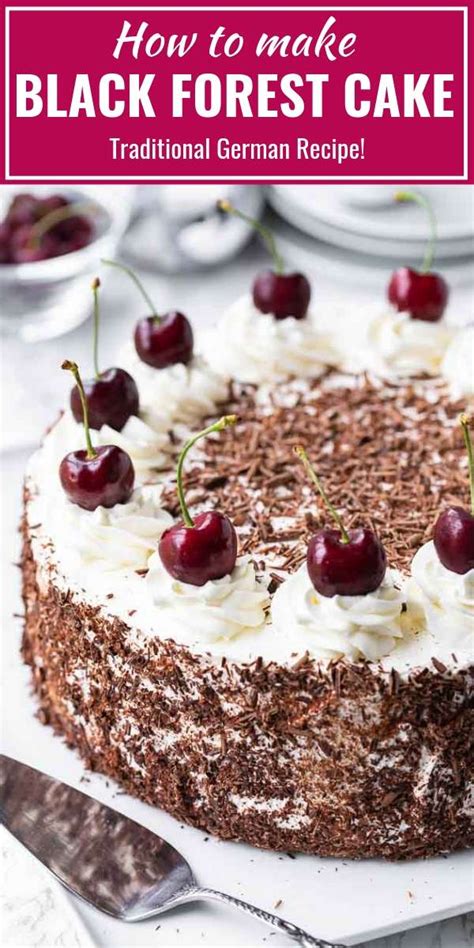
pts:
[452, 205]
[386, 230]
[335, 899]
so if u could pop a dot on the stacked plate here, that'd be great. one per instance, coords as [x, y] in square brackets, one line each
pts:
[367, 220]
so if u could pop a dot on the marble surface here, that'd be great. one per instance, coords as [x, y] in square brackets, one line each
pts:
[34, 908]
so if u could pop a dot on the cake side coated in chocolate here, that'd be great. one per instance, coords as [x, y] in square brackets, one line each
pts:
[348, 760]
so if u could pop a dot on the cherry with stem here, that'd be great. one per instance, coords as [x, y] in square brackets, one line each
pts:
[423, 294]
[202, 549]
[111, 396]
[274, 291]
[454, 529]
[342, 562]
[95, 477]
[160, 340]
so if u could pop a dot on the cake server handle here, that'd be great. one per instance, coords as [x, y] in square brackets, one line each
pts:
[297, 934]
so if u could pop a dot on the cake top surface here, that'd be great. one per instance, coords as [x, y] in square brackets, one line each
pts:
[391, 455]
[387, 446]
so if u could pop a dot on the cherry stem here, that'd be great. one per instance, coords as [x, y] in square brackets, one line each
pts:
[225, 422]
[264, 232]
[72, 367]
[138, 284]
[95, 289]
[422, 201]
[465, 421]
[57, 216]
[301, 453]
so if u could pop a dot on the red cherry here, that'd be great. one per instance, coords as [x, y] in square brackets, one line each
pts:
[423, 295]
[454, 539]
[103, 480]
[352, 567]
[112, 396]
[454, 528]
[205, 551]
[111, 399]
[25, 248]
[282, 294]
[81, 237]
[199, 550]
[341, 562]
[5, 248]
[75, 228]
[164, 341]
[23, 210]
[160, 341]
[64, 222]
[92, 477]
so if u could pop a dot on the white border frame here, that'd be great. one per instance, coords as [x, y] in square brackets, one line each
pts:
[256, 178]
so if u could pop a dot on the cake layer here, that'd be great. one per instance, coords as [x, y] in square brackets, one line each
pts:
[348, 760]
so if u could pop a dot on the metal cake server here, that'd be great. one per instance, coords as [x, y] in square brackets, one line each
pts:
[106, 859]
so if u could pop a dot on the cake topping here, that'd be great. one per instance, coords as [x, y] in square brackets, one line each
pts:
[93, 477]
[160, 340]
[256, 348]
[340, 562]
[179, 393]
[232, 608]
[111, 396]
[149, 450]
[403, 480]
[423, 294]
[402, 347]
[447, 599]
[281, 294]
[122, 537]
[454, 528]
[197, 551]
[458, 362]
[327, 628]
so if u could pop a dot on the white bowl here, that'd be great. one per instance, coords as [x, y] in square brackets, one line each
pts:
[50, 297]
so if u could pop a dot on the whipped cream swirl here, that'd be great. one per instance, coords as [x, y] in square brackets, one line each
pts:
[254, 347]
[113, 538]
[447, 598]
[458, 364]
[178, 393]
[402, 346]
[222, 609]
[148, 449]
[353, 627]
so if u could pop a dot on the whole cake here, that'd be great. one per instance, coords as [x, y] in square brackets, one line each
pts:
[264, 664]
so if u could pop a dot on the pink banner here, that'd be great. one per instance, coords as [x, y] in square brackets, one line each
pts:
[258, 94]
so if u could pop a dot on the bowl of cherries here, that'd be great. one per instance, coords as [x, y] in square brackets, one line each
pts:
[50, 243]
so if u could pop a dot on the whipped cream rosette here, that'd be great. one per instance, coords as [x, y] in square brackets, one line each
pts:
[457, 366]
[351, 627]
[178, 393]
[220, 610]
[254, 347]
